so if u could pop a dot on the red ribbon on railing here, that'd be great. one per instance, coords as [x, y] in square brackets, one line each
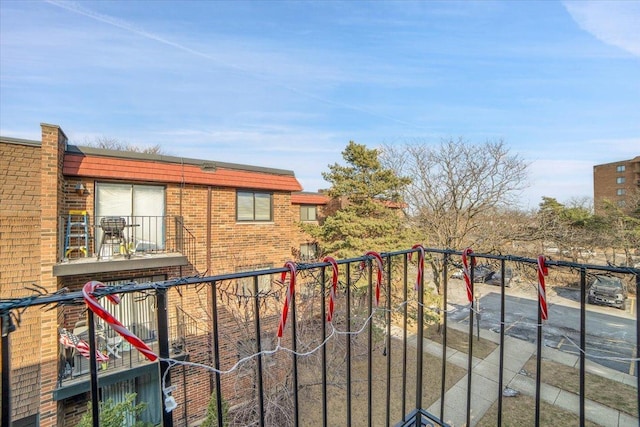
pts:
[466, 271]
[542, 294]
[420, 264]
[94, 305]
[334, 285]
[289, 295]
[378, 258]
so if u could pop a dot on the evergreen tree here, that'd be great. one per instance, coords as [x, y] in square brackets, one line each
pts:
[369, 215]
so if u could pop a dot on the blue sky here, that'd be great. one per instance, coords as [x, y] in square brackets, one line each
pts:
[289, 84]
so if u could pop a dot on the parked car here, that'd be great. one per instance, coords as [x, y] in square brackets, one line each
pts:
[496, 278]
[481, 273]
[608, 290]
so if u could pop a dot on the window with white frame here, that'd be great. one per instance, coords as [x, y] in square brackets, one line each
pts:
[142, 207]
[620, 168]
[254, 206]
[246, 285]
[620, 180]
[308, 213]
[620, 192]
[308, 251]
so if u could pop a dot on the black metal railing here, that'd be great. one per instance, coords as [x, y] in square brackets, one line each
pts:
[109, 237]
[372, 364]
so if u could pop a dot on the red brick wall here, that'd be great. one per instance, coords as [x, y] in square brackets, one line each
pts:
[51, 204]
[605, 185]
[20, 265]
[35, 196]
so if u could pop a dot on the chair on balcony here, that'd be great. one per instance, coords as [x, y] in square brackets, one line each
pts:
[113, 343]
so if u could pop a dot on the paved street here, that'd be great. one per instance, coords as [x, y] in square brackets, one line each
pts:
[610, 333]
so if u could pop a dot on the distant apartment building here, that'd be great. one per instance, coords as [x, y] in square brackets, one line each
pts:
[618, 183]
[71, 214]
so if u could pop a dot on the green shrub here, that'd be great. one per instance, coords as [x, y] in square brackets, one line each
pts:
[115, 414]
[212, 412]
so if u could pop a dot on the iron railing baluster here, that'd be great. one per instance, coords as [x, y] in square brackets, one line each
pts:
[387, 344]
[348, 343]
[405, 273]
[163, 347]
[93, 369]
[216, 353]
[370, 346]
[501, 363]
[323, 309]
[445, 284]
[256, 308]
[470, 355]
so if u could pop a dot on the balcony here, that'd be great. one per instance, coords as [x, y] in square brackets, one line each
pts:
[107, 244]
[378, 361]
[122, 360]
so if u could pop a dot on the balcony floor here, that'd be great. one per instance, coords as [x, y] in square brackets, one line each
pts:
[137, 261]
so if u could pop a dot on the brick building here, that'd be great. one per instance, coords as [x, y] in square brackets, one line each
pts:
[72, 214]
[617, 182]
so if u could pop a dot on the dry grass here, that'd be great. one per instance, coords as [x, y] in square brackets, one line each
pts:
[310, 401]
[460, 341]
[600, 389]
[520, 411]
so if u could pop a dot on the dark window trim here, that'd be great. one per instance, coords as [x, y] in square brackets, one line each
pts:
[270, 194]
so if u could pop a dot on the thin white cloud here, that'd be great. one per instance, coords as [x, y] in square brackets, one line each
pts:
[78, 8]
[613, 22]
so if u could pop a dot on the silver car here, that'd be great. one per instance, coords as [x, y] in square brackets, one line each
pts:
[608, 290]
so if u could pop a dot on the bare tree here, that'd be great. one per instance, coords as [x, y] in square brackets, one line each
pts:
[115, 144]
[456, 188]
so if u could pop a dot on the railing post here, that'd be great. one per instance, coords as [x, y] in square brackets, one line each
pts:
[539, 364]
[420, 353]
[163, 348]
[323, 280]
[348, 343]
[502, 329]
[256, 307]
[405, 274]
[93, 370]
[6, 328]
[445, 284]
[388, 341]
[638, 336]
[583, 341]
[470, 357]
[294, 346]
[216, 353]
[370, 347]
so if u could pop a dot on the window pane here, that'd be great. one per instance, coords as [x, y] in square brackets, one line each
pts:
[245, 206]
[113, 200]
[307, 213]
[245, 285]
[263, 207]
[148, 210]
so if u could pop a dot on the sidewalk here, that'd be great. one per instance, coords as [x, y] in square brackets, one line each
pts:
[485, 374]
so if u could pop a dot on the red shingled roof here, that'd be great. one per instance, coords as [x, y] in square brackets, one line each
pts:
[309, 199]
[142, 170]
